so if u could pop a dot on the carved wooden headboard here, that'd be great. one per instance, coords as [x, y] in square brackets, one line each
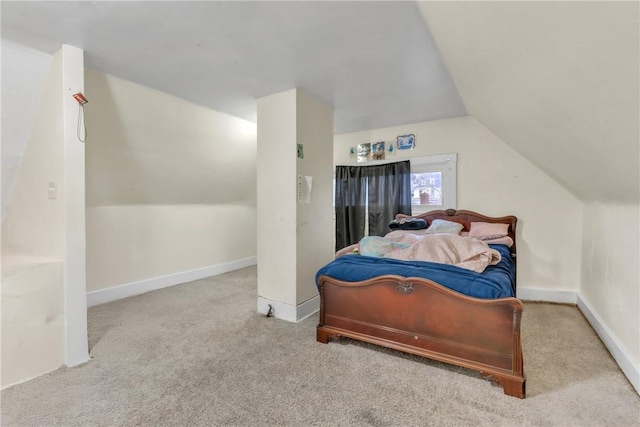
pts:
[466, 218]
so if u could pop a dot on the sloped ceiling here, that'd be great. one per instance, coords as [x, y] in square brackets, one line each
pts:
[557, 81]
[374, 62]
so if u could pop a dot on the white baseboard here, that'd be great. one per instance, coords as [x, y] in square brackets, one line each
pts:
[613, 344]
[6, 386]
[288, 312]
[547, 295]
[615, 347]
[136, 288]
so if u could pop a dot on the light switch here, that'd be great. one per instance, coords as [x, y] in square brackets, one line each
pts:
[52, 190]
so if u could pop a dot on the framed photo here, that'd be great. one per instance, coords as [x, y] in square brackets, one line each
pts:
[406, 142]
[364, 150]
[377, 151]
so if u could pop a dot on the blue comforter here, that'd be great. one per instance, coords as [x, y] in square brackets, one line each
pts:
[496, 281]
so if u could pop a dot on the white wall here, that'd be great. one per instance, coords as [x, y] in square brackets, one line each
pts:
[495, 180]
[33, 224]
[277, 197]
[37, 265]
[148, 147]
[32, 318]
[130, 243]
[171, 186]
[33, 246]
[610, 272]
[315, 246]
[23, 75]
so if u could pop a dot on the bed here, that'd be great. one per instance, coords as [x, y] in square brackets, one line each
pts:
[420, 315]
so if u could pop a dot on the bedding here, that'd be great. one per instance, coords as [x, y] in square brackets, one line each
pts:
[408, 224]
[494, 240]
[351, 249]
[462, 252]
[379, 246]
[496, 281]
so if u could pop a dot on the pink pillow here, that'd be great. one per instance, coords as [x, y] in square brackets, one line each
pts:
[487, 230]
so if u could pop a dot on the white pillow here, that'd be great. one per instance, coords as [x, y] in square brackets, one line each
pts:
[441, 226]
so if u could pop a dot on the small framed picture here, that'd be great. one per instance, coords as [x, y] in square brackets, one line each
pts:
[364, 150]
[377, 151]
[406, 142]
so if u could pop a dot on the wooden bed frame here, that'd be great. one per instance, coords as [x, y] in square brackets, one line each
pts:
[421, 317]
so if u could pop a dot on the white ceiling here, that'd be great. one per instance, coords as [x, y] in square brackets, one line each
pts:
[555, 80]
[374, 62]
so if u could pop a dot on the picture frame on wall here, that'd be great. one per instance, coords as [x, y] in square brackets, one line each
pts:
[406, 142]
[378, 151]
[364, 151]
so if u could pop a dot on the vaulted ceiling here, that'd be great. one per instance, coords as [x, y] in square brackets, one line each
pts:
[374, 62]
[557, 81]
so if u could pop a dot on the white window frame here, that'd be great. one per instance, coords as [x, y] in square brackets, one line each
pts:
[447, 164]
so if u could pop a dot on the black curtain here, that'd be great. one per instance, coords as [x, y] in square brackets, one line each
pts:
[386, 188]
[389, 188]
[351, 202]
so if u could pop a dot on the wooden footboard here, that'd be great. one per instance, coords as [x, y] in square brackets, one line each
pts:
[419, 316]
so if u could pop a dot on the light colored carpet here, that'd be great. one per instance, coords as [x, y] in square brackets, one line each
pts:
[199, 354]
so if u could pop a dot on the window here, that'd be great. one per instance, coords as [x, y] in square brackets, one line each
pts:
[426, 188]
[433, 182]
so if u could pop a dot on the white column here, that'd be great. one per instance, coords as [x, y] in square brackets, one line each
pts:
[294, 239]
[75, 289]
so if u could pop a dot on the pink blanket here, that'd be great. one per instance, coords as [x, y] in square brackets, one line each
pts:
[464, 252]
